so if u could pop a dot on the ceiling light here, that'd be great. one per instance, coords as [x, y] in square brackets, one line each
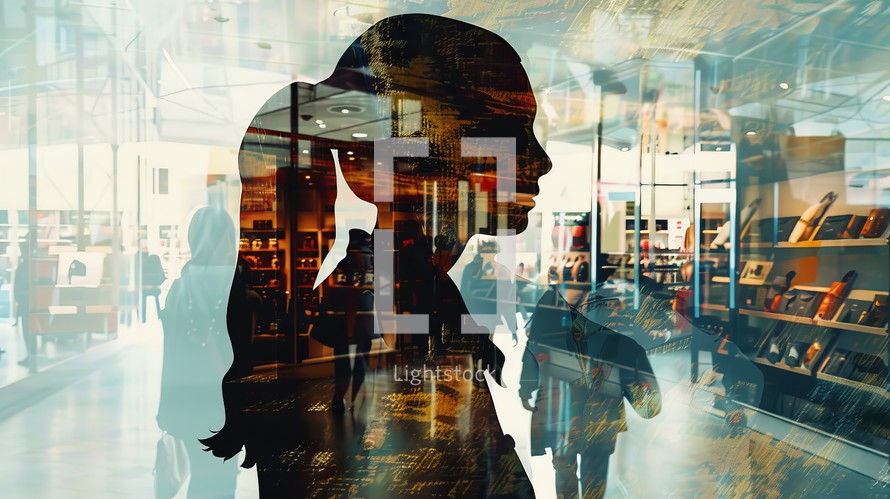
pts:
[305, 151]
[886, 98]
[352, 158]
[719, 149]
[784, 86]
[319, 122]
[349, 153]
[322, 125]
[345, 109]
[308, 177]
[221, 19]
[625, 149]
[359, 135]
[750, 133]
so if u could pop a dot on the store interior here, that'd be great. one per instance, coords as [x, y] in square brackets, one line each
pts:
[726, 184]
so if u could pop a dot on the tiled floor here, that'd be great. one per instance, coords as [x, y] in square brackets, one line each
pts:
[96, 438]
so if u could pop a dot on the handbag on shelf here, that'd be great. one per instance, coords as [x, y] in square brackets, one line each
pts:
[811, 217]
[836, 294]
[171, 466]
[876, 224]
[799, 303]
[839, 227]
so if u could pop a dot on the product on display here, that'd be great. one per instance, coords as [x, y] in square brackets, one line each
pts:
[722, 239]
[854, 311]
[567, 269]
[803, 230]
[582, 274]
[811, 354]
[794, 353]
[553, 271]
[755, 272]
[877, 313]
[840, 227]
[836, 294]
[777, 289]
[799, 303]
[876, 224]
[776, 350]
[745, 217]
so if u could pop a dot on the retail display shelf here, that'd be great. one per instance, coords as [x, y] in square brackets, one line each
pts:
[782, 366]
[853, 327]
[874, 390]
[715, 307]
[778, 317]
[830, 243]
[758, 244]
[834, 243]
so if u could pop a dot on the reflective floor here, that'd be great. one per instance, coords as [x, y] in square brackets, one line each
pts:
[96, 436]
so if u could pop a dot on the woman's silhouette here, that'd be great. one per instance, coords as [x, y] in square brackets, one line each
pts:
[205, 316]
[442, 80]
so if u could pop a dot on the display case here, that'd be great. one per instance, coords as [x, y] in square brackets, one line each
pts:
[812, 300]
[263, 246]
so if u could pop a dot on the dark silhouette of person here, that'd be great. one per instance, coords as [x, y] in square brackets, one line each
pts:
[21, 294]
[350, 296]
[444, 80]
[153, 276]
[206, 315]
[417, 279]
[586, 371]
[446, 314]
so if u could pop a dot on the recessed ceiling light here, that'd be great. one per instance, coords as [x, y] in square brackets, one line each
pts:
[784, 86]
[886, 98]
[308, 177]
[719, 148]
[305, 151]
[359, 135]
[349, 153]
[322, 125]
[625, 149]
[750, 132]
[345, 109]
[319, 122]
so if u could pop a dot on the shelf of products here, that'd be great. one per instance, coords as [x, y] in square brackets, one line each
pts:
[813, 292]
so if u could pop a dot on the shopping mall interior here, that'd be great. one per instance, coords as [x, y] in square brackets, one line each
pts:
[702, 179]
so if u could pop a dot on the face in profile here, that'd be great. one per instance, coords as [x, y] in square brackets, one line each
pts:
[420, 76]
